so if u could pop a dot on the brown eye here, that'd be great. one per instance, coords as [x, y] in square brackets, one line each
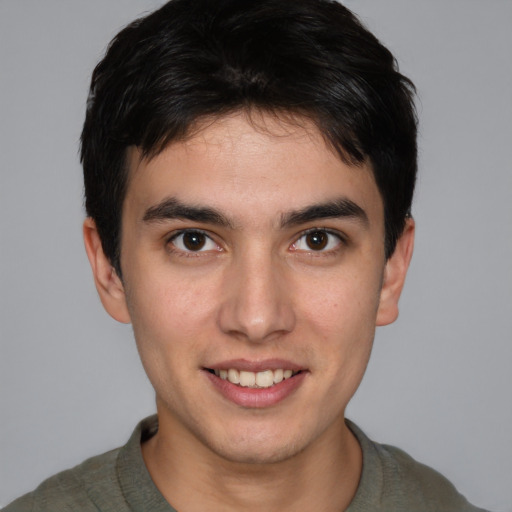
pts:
[317, 240]
[194, 240]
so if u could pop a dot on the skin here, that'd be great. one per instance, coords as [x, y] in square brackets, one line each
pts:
[256, 291]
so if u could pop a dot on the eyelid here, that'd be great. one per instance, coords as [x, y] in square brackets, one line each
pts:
[341, 239]
[175, 234]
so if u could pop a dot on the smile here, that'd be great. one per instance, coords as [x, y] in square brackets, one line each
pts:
[256, 384]
[247, 379]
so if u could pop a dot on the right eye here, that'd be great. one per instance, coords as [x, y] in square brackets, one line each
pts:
[192, 240]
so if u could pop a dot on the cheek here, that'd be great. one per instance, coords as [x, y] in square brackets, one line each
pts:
[172, 324]
[168, 326]
[341, 304]
[342, 321]
[169, 312]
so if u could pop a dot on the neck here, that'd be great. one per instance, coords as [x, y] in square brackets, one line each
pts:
[191, 477]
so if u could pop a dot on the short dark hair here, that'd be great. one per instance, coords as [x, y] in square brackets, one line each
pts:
[194, 59]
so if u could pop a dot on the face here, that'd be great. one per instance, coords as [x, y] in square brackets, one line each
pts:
[254, 275]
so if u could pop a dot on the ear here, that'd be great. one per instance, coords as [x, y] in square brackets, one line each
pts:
[109, 285]
[394, 276]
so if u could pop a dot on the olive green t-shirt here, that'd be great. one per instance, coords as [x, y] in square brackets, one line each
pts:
[118, 481]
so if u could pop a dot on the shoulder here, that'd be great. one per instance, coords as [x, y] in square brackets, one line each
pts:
[99, 483]
[414, 481]
[394, 481]
[74, 489]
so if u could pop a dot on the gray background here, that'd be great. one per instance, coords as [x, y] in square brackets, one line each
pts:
[439, 382]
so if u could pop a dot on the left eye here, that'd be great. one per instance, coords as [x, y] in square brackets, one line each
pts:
[193, 241]
[317, 240]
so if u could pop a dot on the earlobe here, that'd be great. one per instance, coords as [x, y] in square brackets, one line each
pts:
[108, 284]
[394, 276]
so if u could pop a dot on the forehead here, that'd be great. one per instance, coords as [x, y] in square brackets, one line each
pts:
[262, 163]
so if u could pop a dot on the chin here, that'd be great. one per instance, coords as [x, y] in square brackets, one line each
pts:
[257, 455]
[258, 447]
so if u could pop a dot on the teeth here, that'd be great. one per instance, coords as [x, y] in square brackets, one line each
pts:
[247, 379]
[278, 376]
[234, 376]
[263, 379]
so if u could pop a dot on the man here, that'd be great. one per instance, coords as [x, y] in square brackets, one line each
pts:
[249, 170]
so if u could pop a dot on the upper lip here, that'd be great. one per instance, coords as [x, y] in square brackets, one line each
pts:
[256, 366]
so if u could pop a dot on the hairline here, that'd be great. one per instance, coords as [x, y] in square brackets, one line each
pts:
[255, 116]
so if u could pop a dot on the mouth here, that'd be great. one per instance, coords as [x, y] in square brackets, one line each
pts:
[260, 384]
[255, 380]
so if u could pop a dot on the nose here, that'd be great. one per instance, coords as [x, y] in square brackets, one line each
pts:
[257, 301]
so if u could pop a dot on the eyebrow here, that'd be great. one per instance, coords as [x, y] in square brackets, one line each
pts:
[172, 208]
[338, 208]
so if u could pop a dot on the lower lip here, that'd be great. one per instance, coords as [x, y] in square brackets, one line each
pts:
[256, 397]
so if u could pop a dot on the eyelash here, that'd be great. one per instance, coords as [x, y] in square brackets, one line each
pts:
[321, 252]
[329, 252]
[188, 253]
